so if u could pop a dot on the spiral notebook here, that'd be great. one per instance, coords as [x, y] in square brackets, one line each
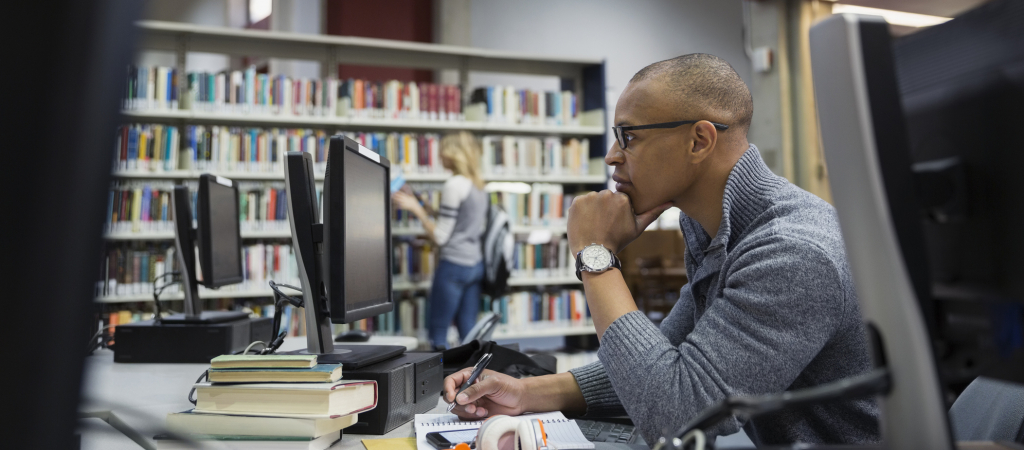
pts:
[562, 433]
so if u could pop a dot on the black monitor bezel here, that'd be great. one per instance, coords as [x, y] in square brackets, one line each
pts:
[333, 258]
[204, 233]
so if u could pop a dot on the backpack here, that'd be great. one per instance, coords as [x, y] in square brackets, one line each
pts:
[498, 247]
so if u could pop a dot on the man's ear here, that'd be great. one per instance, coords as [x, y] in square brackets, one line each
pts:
[705, 138]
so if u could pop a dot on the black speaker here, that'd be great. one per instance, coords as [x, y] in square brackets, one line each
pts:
[407, 385]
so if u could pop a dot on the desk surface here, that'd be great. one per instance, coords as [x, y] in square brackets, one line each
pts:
[139, 396]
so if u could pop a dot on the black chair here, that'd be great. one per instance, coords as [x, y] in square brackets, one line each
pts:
[989, 410]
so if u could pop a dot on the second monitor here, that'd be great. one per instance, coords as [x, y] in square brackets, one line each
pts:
[344, 261]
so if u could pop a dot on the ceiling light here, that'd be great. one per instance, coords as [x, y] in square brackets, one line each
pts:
[893, 17]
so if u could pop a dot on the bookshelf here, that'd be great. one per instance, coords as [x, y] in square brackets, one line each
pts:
[410, 177]
[285, 234]
[583, 77]
[360, 124]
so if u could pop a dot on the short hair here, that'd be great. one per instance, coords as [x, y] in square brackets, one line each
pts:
[706, 83]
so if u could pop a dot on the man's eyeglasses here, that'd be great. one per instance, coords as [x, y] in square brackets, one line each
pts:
[620, 132]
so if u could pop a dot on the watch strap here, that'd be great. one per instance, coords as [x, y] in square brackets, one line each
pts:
[615, 263]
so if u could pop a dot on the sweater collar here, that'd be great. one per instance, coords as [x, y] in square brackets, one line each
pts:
[748, 193]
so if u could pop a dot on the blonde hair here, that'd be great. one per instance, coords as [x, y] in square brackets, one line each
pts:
[463, 150]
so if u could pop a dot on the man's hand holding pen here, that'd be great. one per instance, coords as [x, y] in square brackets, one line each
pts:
[493, 393]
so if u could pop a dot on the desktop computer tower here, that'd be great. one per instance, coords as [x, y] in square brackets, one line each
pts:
[146, 342]
[406, 385]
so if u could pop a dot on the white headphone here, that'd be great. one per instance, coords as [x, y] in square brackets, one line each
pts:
[529, 434]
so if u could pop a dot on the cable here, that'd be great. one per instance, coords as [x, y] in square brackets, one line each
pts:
[876, 381]
[158, 313]
[206, 375]
[275, 344]
[280, 298]
[246, 351]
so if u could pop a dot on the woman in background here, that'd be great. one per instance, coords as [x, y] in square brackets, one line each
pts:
[455, 292]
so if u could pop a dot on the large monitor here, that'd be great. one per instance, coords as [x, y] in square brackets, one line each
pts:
[345, 261]
[219, 241]
[920, 135]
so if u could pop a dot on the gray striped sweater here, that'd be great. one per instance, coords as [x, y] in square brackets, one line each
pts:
[770, 307]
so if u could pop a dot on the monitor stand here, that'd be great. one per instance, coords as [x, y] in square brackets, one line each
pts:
[206, 317]
[354, 356]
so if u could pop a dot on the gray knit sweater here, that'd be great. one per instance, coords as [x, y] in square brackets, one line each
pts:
[770, 307]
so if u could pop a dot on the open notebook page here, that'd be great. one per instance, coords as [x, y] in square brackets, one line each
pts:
[562, 433]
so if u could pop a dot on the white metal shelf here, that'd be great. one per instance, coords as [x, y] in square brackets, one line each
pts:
[168, 235]
[397, 286]
[409, 177]
[515, 229]
[512, 281]
[148, 297]
[355, 123]
[542, 329]
[171, 36]
[285, 234]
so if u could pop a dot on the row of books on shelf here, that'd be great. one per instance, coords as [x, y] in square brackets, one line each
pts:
[506, 104]
[157, 148]
[139, 207]
[145, 206]
[248, 92]
[415, 260]
[517, 155]
[519, 311]
[132, 268]
[545, 205]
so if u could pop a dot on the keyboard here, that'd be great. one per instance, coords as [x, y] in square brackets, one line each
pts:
[608, 432]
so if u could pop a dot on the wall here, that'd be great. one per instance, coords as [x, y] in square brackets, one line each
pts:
[297, 16]
[200, 12]
[628, 35]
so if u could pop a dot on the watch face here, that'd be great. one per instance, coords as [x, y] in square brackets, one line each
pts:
[596, 257]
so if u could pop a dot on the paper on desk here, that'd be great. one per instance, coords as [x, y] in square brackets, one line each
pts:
[390, 444]
[426, 423]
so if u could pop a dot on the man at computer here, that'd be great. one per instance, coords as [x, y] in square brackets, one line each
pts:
[770, 304]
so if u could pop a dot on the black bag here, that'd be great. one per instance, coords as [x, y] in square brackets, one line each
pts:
[497, 249]
[503, 359]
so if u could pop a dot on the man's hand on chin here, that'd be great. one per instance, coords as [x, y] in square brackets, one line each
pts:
[607, 218]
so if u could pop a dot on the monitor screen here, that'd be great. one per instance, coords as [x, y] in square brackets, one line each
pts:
[220, 232]
[367, 244]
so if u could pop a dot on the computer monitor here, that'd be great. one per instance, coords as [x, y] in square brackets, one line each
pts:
[220, 245]
[344, 262]
[919, 136]
[218, 235]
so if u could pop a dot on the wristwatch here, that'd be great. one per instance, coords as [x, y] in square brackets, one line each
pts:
[595, 258]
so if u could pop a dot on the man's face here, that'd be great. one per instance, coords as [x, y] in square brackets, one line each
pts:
[654, 167]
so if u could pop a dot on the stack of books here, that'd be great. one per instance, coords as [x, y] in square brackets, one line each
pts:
[271, 401]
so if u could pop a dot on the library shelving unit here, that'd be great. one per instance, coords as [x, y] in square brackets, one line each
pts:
[584, 77]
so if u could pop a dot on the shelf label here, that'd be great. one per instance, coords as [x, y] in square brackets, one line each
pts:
[369, 154]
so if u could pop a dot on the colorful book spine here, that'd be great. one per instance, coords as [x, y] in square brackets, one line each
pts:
[531, 156]
[139, 207]
[130, 268]
[543, 260]
[151, 88]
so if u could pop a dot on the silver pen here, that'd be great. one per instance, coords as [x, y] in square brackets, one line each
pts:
[477, 370]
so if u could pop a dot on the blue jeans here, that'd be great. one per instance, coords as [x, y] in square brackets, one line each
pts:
[454, 294]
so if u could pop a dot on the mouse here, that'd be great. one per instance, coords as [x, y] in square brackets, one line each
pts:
[353, 336]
